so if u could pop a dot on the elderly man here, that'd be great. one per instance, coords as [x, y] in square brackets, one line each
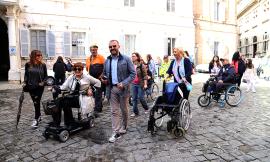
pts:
[95, 67]
[119, 72]
[225, 76]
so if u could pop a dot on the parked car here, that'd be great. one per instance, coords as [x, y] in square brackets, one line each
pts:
[202, 68]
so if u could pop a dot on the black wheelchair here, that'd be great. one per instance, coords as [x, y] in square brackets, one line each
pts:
[171, 103]
[62, 133]
[230, 93]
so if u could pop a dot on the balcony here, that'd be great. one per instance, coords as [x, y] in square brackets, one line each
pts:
[9, 2]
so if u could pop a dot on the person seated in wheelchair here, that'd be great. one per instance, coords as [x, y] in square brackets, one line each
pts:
[76, 84]
[225, 77]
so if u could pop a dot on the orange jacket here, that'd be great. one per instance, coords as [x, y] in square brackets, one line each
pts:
[95, 63]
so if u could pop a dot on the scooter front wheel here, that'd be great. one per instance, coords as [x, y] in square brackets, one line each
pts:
[63, 136]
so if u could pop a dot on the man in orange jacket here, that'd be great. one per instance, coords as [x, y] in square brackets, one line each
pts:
[95, 66]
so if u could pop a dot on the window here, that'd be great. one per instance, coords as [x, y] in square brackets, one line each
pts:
[171, 45]
[129, 3]
[38, 41]
[216, 10]
[254, 46]
[265, 42]
[170, 5]
[240, 46]
[216, 48]
[129, 44]
[247, 47]
[78, 44]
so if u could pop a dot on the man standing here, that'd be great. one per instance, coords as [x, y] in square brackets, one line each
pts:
[119, 72]
[95, 67]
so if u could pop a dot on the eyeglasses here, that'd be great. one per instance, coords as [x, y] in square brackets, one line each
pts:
[38, 55]
[113, 46]
[77, 69]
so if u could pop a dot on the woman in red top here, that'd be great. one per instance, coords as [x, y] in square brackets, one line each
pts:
[239, 66]
[138, 84]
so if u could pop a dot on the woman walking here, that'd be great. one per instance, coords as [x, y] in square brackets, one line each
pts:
[35, 74]
[59, 69]
[138, 84]
[181, 69]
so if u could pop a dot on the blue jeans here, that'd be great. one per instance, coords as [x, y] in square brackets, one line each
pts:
[138, 93]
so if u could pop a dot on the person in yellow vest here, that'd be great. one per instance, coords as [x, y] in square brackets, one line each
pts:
[164, 66]
[94, 66]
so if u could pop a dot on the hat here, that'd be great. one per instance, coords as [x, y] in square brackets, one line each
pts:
[94, 46]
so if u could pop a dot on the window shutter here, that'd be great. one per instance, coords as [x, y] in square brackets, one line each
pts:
[50, 43]
[67, 44]
[24, 39]
[222, 11]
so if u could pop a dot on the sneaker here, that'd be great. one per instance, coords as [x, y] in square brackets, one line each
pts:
[133, 115]
[114, 137]
[254, 91]
[35, 124]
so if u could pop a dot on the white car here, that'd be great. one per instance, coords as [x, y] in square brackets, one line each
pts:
[202, 68]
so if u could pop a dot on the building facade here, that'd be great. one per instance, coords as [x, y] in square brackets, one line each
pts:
[215, 29]
[253, 18]
[68, 27]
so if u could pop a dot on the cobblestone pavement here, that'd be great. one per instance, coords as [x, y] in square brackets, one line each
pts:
[231, 134]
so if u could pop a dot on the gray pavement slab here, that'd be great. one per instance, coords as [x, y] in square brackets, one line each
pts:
[239, 133]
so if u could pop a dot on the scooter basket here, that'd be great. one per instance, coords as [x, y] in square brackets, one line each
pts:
[49, 107]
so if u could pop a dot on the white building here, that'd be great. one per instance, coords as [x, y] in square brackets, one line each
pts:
[253, 18]
[68, 27]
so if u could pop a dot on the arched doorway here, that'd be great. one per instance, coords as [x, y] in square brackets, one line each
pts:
[4, 53]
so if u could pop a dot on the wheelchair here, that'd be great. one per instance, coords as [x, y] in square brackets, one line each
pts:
[62, 133]
[230, 93]
[170, 103]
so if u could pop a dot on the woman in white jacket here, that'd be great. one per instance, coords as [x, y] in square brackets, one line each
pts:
[74, 84]
[250, 76]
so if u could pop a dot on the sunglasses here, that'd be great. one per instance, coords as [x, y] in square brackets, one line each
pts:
[77, 69]
[113, 46]
[38, 55]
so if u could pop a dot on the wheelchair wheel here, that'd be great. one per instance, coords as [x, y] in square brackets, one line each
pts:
[233, 96]
[154, 91]
[178, 132]
[203, 100]
[185, 114]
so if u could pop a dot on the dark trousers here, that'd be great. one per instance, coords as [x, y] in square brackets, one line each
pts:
[184, 90]
[60, 79]
[239, 79]
[98, 100]
[36, 95]
[66, 103]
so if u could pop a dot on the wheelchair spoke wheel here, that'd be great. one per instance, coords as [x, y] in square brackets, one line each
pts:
[203, 100]
[233, 96]
[185, 114]
[154, 91]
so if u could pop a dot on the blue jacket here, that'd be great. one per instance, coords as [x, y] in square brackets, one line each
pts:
[227, 74]
[188, 70]
[125, 73]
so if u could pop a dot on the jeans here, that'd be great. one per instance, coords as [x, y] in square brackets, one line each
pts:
[98, 100]
[138, 93]
[36, 95]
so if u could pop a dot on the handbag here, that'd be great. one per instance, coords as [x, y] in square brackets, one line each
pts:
[87, 104]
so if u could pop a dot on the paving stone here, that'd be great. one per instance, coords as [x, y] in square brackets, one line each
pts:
[233, 134]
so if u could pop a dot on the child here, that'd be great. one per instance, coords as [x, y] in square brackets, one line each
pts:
[250, 76]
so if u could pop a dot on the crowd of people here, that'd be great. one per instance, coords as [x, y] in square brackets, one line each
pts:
[116, 74]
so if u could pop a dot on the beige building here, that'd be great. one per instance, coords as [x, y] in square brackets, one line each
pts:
[215, 29]
[253, 18]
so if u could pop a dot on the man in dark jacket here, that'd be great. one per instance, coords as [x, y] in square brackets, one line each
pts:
[225, 76]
